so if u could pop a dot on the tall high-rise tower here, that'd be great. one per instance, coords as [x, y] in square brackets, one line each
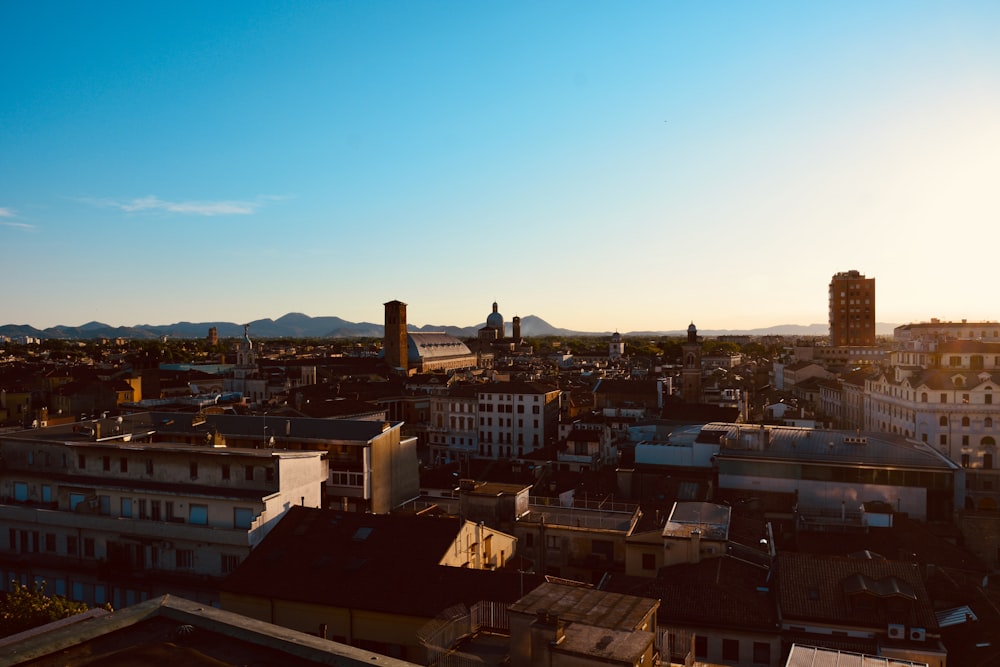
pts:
[852, 310]
[394, 343]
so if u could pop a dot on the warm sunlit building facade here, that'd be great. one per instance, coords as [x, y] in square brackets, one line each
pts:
[852, 309]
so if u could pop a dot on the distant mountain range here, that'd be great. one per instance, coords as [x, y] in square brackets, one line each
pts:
[297, 325]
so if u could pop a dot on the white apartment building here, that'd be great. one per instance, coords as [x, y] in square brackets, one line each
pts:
[516, 418]
[102, 513]
[946, 394]
[497, 420]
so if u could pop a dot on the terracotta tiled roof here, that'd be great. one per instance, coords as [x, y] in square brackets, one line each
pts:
[821, 589]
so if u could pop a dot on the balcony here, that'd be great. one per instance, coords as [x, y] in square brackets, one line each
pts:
[141, 529]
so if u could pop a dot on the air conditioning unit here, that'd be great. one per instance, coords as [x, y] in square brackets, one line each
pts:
[897, 631]
[918, 634]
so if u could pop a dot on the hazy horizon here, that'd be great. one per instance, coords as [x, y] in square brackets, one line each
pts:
[613, 166]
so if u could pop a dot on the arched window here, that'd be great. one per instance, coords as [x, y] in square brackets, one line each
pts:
[923, 397]
[988, 422]
[943, 421]
[988, 441]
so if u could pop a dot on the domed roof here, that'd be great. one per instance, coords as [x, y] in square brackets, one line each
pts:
[495, 320]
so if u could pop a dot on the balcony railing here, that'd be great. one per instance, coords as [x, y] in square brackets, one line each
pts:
[16, 515]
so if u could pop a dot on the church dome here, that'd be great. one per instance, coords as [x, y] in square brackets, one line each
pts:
[495, 320]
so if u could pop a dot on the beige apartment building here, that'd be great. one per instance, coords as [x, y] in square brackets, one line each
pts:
[102, 513]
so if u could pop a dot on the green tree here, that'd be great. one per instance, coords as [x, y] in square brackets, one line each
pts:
[24, 608]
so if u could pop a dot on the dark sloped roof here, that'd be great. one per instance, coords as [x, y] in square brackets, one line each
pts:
[717, 592]
[382, 563]
[820, 588]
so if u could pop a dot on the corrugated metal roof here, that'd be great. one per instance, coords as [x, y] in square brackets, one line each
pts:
[949, 617]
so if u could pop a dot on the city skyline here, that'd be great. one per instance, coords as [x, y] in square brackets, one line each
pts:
[631, 167]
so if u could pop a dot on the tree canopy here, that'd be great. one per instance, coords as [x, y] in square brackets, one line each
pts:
[23, 608]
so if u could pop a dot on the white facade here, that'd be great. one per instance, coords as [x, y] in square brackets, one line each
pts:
[94, 519]
[516, 418]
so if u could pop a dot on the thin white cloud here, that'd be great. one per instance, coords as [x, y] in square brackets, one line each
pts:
[9, 213]
[153, 203]
[16, 225]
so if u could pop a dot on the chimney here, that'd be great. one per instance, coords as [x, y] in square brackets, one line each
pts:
[548, 630]
[696, 545]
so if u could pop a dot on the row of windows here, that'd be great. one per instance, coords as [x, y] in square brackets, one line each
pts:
[898, 392]
[729, 650]
[488, 407]
[122, 466]
[135, 508]
[520, 397]
[124, 554]
[346, 478]
[488, 421]
[487, 450]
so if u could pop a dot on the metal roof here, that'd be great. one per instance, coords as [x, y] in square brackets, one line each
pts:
[788, 443]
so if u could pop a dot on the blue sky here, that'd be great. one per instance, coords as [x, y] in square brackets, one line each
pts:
[629, 166]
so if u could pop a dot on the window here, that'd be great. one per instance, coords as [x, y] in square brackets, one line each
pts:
[731, 649]
[988, 422]
[46, 493]
[242, 517]
[965, 441]
[761, 653]
[72, 545]
[149, 466]
[156, 513]
[965, 460]
[88, 547]
[104, 502]
[225, 471]
[943, 421]
[229, 563]
[50, 542]
[184, 559]
[127, 508]
[269, 473]
[649, 561]
[944, 398]
[170, 509]
[248, 473]
[194, 470]
[944, 439]
[198, 515]
[552, 542]
[123, 464]
[142, 509]
[106, 463]
[21, 492]
[81, 462]
[987, 461]
[74, 500]
[700, 646]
